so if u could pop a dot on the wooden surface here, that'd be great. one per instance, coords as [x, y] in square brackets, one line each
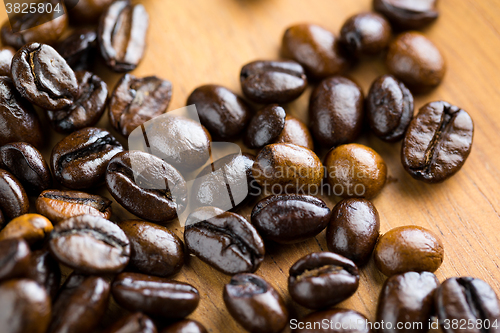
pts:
[195, 42]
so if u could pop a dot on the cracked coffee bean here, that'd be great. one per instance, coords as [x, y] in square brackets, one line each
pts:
[6, 55]
[336, 320]
[79, 49]
[15, 256]
[45, 270]
[185, 326]
[14, 201]
[133, 323]
[408, 14]
[265, 127]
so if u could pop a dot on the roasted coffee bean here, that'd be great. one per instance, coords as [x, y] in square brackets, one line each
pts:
[27, 164]
[438, 142]
[275, 81]
[221, 111]
[224, 240]
[80, 160]
[14, 201]
[255, 304]
[137, 100]
[322, 279]
[122, 35]
[408, 14]
[90, 244]
[354, 170]
[80, 305]
[467, 300]
[416, 61]
[353, 229]
[45, 270]
[296, 132]
[408, 248]
[290, 218]
[15, 257]
[87, 109]
[265, 127]
[146, 186]
[407, 298]
[133, 323]
[154, 295]
[185, 326]
[6, 55]
[33, 228]
[25, 307]
[287, 168]
[87, 11]
[336, 111]
[18, 119]
[315, 48]
[43, 77]
[337, 321]
[80, 48]
[366, 34]
[60, 205]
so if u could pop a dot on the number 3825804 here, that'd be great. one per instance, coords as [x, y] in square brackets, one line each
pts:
[25, 8]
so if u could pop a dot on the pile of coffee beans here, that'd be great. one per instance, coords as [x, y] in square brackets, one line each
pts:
[44, 74]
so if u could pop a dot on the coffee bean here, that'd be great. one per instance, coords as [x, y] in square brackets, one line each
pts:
[79, 49]
[45, 270]
[6, 55]
[15, 257]
[133, 323]
[154, 295]
[334, 321]
[407, 298]
[224, 240]
[137, 100]
[43, 77]
[13, 199]
[185, 326]
[275, 81]
[33, 228]
[87, 11]
[408, 14]
[80, 160]
[322, 279]
[60, 205]
[408, 248]
[438, 142]
[90, 244]
[353, 229]
[265, 127]
[295, 132]
[221, 111]
[122, 35]
[146, 186]
[290, 218]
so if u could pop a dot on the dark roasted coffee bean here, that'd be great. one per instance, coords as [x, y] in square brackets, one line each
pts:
[322, 279]
[407, 298]
[33, 228]
[133, 323]
[154, 295]
[15, 257]
[333, 321]
[87, 11]
[87, 109]
[265, 127]
[122, 35]
[275, 81]
[90, 244]
[80, 305]
[296, 132]
[221, 111]
[6, 55]
[146, 186]
[353, 229]
[408, 248]
[79, 49]
[45, 270]
[59, 205]
[437, 142]
[14, 201]
[43, 77]
[224, 240]
[290, 218]
[80, 160]
[255, 304]
[408, 14]
[185, 326]
[137, 100]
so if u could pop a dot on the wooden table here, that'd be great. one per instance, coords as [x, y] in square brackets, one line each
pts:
[195, 42]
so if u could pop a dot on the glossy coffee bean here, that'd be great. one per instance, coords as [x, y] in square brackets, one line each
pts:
[296, 132]
[287, 168]
[290, 218]
[80, 305]
[407, 298]
[408, 14]
[80, 160]
[315, 48]
[133, 323]
[354, 170]
[416, 61]
[59, 205]
[27, 164]
[80, 48]
[221, 111]
[25, 307]
[408, 248]
[322, 279]
[154, 295]
[389, 108]
[255, 304]
[43, 77]
[185, 326]
[265, 126]
[6, 55]
[122, 35]
[45, 270]
[87, 109]
[366, 34]
[224, 240]
[33, 228]
[336, 111]
[274, 81]
[137, 100]
[90, 244]
[336, 320]
[437, 142]
[14, 201]
[153, 196]
[15, 258]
